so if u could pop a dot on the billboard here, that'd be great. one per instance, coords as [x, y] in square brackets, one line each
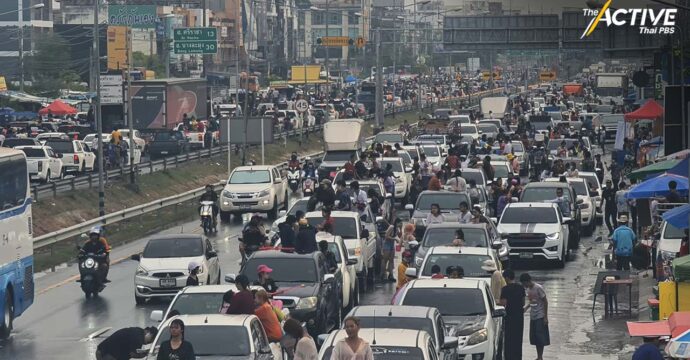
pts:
[135, 16]
[161, 104]
[312, 73]
[117, 47]
[253, 130]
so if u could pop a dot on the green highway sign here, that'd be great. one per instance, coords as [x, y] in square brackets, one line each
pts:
[199, 47]
[202, 40]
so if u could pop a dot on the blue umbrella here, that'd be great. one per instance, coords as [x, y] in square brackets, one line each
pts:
[658, 186]
[678, 216]
[350, 79]
[681, 168]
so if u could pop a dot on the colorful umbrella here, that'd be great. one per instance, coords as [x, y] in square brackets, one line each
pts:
[678, 217]
[655, 168]
[658, 186]
[679, 347]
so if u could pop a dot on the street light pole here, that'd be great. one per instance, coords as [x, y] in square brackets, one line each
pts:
[97, 104]
[20, 22]
[379, 80]
[130, 118]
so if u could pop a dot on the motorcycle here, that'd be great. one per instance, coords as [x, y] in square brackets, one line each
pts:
[90, 272]
[208, 221]
[293, 178]
[308, 186]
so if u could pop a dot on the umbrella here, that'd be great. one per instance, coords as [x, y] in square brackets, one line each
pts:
[679, 346]
[655, 168]
[678, 216]
[350, 79]
[658, 186]
[680, 168]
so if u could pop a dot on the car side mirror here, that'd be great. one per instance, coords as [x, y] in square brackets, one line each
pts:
[497, 245]
[328, 278]
[230, 278]
[514, 199]
[136, 257]
[499, 311]
[567, 220]
[265, 350]
[211, 254]
[379, 219]
[409, 207]
[389, 195]
[282, 213]
[580, 201]
[321, 339]
[450, 343]
[408, 169]
[494, 220]
[411, 272]
[365, 234]
[277, 181]
[352, 261]
[157, 315]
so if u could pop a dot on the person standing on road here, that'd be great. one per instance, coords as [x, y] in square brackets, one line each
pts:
[193, 278]
[352, 347]
[610, 210]
[124, 343]
[649, 350]
[177, 348]
[388, 250]
[402, 268]
[497, 281]
[621, 202]
[623, 240]
[539, 315]
[513, 298]
[304, 348]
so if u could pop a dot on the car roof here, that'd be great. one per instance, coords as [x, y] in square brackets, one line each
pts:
[255, 167]
[211, 320]
[31, 147]
[385, 337]
[176, 236]
[272, 254]
[444, 192]
[334, 214]
[568, 179]
[408, 311]
[208, 289]
[324, 236]
[468, 250]
[446, 283]
[546, 184]
[532, 205]
[456, 225]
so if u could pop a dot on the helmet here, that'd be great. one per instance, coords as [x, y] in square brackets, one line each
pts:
[192, 265]
[407, 254]
[95, 230]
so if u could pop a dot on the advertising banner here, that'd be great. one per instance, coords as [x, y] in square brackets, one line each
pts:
[117, 47]
[134, 16]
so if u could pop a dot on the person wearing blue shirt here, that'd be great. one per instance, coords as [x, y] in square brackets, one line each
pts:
[648, 351]
[562, 202]
[623, 242]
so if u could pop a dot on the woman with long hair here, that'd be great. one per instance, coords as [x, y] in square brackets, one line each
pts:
[352, 347]
[176, 348]
[305, 348]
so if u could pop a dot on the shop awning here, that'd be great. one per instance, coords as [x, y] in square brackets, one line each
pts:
[649, 329]
[656, 168]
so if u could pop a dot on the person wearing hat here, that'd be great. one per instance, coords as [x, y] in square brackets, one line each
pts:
[264, 280]
[193, 278]
[324, 194]
[96, 244]
[649, 350]
[623, 240]
[497, 281]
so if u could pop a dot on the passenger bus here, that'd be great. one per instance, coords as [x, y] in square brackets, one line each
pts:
[16, 240]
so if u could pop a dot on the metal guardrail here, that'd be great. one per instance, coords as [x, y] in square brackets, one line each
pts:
[51, 238]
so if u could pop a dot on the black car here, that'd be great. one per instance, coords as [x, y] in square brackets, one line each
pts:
[306, 288]
[546, 191]
[166, 143]
[12, 142]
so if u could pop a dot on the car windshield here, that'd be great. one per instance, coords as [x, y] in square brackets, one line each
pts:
[431, 139]
[173, 248]
[390, 138]
[335, 249]
[539, 194]
[470, 263]
[405, 156]
[299, 205]
[556, 116]
[335, 156]
[495, 122]
[517, 147]
[446, 300]
[445, 200]
[579, 187]
[61, 147]
[672, 232]
[444, 236]
[34, 153]
[10, 143]
[468, 129]
[397, 166]
[213, 340]
[250, 177]
[487, 128]
[345, 227]
[592, 181]
[477, 176]
[166, 136]
[501, 171]
[540, 125]
[611, 119]
[366, 186]
[430, 150]
[297, 270]
[391, 322]
[388, 353]
[526, 215]
[198, 304]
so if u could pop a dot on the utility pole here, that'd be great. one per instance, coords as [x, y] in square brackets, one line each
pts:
[130, 119]
[97, 103]
[20, 22]
[246, 91]
[328, 72]
[379, 80]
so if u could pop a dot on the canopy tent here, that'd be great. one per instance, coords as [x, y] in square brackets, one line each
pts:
[681, 168]
[679, 346]
[678, 216]
[656, 168]
[658, 186]
[650, 110]
[58, 108]
[677, 323]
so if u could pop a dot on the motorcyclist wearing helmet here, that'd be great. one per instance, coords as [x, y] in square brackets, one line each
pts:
[210, 195]
[324, 194]
[253, 235]
[309, 168]
[97, 244]
[294, 161]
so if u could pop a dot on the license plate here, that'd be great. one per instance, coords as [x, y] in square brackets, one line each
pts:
[244, 207]
[164, 152]
[168, 283]
[526, 255]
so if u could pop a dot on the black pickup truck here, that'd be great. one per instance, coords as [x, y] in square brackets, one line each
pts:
[167, 143]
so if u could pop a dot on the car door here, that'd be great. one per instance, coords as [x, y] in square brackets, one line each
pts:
[259, 340]
[80, 152]
[351, 269]
[328, 290]
[371, 241]
[565, 228]
[495, 323]
[212, 261]
[278, 184]
[54, 163]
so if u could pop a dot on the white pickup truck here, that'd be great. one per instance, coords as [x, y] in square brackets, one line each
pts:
[196, 138]
[254, 189]
[43, 164]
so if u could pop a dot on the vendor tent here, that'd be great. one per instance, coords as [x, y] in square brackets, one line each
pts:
[650, 110]
[681, 268]
[677, 323]
[658, 186]
[58, 108]
[655, 168]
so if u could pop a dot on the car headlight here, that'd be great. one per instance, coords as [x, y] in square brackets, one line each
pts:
[228, 194]
[264, 193]
[307, 302]
[554, 236]
[141, 271]
[89, 263]
[477, 337]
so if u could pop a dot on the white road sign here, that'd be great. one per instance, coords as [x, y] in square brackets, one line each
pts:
[302, 105]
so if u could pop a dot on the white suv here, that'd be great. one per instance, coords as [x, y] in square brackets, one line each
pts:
[164, 265]
[403, 177]
[468, 309]
[535, 230]
[253, 189]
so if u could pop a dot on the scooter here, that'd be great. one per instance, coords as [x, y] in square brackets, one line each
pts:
[293, 178]
[208, 222]
[90, 274]
[308, 185]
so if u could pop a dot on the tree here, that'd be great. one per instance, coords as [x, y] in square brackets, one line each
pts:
[149, 62]
[51, 68]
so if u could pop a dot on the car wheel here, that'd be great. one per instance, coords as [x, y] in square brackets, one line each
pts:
[7, 316]
[274, 211]
[139, 300]
[224, 216]
[562, 260]
[363, 281]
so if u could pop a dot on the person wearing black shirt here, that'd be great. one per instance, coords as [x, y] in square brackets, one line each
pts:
[286, 230]
[177, 348]
[253, 236]
[264, 279]
[324, 194]
[193, 279]
[306, 238]
[331, 262]
[123, 344]
[210, 195]
[610, 209]
[513, 298]
[343, 197]
[673, 197]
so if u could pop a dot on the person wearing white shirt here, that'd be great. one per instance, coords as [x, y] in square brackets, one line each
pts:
[457, 183]
[360, 198]
[435, 216]
[507, 148]
[465, 217]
